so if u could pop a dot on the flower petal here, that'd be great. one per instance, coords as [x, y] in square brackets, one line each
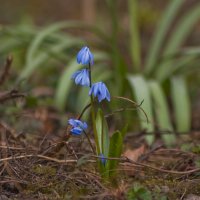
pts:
[76, 131]
[85, 57]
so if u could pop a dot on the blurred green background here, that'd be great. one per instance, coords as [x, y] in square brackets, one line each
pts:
[144, 50]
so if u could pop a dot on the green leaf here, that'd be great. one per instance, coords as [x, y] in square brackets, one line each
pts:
[176, 66]
[64, 84]
[115, 151]
[139, 192]
[135, 46]
[44, 56]
[161, 111]
[179, 35]
[181, 104]
[39, 38]
[141, 90]
[99, 128]
[102, 133]
[42, 35]
[159, 36]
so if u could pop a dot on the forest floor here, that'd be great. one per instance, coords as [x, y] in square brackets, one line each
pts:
[54, 167]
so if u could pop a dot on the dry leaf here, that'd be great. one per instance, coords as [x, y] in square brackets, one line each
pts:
[134, 154]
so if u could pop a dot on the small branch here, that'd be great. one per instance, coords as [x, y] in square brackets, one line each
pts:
[89, 142]
[40, 156]
[83, 111]
[4, 96]
[8, 129]
[161, 170]
[135, 104]
[6, 69]
[124, 162]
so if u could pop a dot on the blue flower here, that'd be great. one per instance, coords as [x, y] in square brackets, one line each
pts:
[85, 57]
[81, 77]
[103, 159]
[77, 126]
[100, 91]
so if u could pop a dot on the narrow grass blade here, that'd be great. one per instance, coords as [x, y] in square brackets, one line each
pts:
[159, 36]
[102, 132]
[44, 56]
[176, 40]
[141, 92]
[64, 85]
[135, 45]
[176, 65]
[40, 37]
[161, 111]
[99, 127]
[181, 104]
[38, 40]
[115, 151]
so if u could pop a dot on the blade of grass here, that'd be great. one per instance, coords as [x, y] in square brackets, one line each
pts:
[99, 127]
[44, 56]
[177, 65]
[180, 34]
[181, 104]
[135, 46]
[64, 85]
[159, 36]
[162, 112]
[37, 41]
[102, 132]
[115, 150]
[141, 92]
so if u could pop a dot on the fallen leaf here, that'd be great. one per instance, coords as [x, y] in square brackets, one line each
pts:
[134, 154]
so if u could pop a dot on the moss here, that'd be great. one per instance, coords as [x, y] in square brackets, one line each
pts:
[171, 187]
[44, 170]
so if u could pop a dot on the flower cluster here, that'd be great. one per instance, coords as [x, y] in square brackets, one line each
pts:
[77, 126]
[82, 77]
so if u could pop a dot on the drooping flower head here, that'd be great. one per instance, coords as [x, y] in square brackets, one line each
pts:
[103, 159]
[81, 77]
[100, 91]
[77, 126]
[85, 57]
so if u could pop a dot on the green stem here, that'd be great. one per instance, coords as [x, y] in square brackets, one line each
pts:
[93, 115]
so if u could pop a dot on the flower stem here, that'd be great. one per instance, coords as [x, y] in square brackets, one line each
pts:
[89, 141]
[93, 114]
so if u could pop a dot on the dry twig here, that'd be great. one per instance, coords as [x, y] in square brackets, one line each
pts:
[6, 69]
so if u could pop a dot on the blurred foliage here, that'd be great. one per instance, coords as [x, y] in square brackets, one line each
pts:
[45, 56]
[164, 64]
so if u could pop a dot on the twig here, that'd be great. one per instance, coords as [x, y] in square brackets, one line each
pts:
[83, 111]
[7, 166]
[183, 194]
[13, 94]
[161, 170]
[38, 156]
[135, 104]
[125, 161]
[89, 142]
[8, 129]
[6, 69]
[120, 110]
